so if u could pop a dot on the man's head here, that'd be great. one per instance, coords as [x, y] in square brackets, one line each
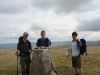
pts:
[25, 36]
[74, 35]
[43, 33]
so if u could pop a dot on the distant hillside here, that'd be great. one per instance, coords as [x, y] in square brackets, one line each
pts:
[14, 45]
[94, 43]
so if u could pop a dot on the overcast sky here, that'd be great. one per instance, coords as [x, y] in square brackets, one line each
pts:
[58, 17]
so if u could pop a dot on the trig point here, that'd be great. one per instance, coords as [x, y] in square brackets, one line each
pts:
[41, 62]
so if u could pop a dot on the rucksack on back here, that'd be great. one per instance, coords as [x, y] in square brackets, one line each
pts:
[20, 39]
[82, 45]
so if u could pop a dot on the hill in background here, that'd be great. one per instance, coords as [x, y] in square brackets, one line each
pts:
[14, 45]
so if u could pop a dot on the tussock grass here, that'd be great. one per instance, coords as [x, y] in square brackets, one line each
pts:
[91, 63]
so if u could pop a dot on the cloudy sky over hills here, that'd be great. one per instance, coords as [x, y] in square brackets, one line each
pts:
[58, 17]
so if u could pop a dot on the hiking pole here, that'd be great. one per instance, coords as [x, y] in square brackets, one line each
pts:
[17, 64]
[53, 67]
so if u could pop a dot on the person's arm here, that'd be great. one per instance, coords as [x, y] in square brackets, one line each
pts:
[49, 43]
[30, 46]
[18, 46]
[18, 49]
[38, 43]
[69, 52]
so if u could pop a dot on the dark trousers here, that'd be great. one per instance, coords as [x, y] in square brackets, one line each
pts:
[25, 65]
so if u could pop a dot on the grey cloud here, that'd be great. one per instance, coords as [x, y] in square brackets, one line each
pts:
[93, 25]
[13, 6]
[62, 5]
[42, 3]
[37, 27]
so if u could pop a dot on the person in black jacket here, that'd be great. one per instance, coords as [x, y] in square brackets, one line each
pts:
[23, 50]
[43, 41]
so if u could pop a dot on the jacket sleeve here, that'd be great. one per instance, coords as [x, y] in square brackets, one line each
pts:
[49, 42]
[30, 45]
[38, 43]
[18, 46]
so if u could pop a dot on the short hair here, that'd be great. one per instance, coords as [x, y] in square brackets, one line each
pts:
[25, 34]
[74, 34]
[42, 31]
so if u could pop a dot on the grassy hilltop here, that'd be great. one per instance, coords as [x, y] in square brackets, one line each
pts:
[91, 63]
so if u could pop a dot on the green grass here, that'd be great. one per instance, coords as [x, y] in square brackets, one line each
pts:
[91, 63]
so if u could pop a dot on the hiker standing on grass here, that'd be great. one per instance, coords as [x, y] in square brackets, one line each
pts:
[76, 57]
[23, 50]
[44, 42]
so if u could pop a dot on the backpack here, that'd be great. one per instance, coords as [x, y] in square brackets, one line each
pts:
[20, 39]
[82, 45]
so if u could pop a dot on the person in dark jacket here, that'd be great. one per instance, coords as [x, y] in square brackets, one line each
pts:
[23, 50]
[43, 41]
